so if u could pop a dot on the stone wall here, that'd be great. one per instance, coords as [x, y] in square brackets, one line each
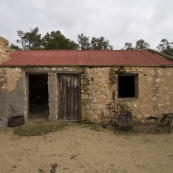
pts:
[155, 92]
[4, 49]
[11, 92]
[53, 85]
[53, 96]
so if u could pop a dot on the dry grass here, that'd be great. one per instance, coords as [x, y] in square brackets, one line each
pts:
[37, 129]
[41, 128]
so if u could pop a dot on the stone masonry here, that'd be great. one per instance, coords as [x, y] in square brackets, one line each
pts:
[4, 49]
[155, 91]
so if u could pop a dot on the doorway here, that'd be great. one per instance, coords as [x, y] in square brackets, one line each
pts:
[69, 97]
[38, 97]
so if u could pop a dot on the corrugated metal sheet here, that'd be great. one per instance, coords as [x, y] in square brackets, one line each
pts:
[85, 58]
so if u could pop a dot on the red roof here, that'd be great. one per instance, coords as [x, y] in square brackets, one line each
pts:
[85, 58]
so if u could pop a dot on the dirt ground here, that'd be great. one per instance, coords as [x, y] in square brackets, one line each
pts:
[79, 149]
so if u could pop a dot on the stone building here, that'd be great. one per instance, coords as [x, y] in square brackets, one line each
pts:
[75, 85]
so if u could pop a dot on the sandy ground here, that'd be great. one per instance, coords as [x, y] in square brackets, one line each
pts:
[79, 149]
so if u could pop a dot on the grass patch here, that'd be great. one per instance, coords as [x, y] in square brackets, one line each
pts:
[37, 129]
[108, 128]
[95, 127]
[99, 127]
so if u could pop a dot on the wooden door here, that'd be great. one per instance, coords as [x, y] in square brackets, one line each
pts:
[69, 97]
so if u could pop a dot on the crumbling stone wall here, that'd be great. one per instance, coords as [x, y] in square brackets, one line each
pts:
[95, 92]
[53, 96]
[14, 89]
[155, 92]
[4, 49]
[11, 92]
[53, 85]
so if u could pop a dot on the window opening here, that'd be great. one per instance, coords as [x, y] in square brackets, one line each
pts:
[127, 86]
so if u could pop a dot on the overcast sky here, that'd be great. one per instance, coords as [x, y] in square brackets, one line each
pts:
[119, 21]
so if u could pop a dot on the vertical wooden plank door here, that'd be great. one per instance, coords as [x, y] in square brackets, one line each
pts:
[69, 97]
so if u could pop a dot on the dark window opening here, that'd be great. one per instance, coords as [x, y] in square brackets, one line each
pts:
[38, 97]
[127, 86]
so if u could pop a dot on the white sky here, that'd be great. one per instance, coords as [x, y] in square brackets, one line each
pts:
[119, 21]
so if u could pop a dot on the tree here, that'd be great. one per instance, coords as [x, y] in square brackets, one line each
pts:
[12, 46]
[141, 45]
[84, 42]
[94, 44]
[165, 47]
[30, 40]
[128, 46]
[100, 44]
[55, 40]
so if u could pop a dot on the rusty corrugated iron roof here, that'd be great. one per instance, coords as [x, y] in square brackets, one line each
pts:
[85, 58]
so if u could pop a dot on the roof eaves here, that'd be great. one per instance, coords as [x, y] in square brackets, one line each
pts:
[161, 54]
[101, 65]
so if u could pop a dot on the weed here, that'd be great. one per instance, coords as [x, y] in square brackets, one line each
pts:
[37, 129]
[96, 127]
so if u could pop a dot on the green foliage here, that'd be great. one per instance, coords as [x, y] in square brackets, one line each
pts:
[166, 47]
[141, 45]
[84, 42]
[95, 127]
[94, 44]
[37, 129]
[128, 46]
[55, 40]
[12, 46]
[30, 40]
[100, 44]
[51, 41]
